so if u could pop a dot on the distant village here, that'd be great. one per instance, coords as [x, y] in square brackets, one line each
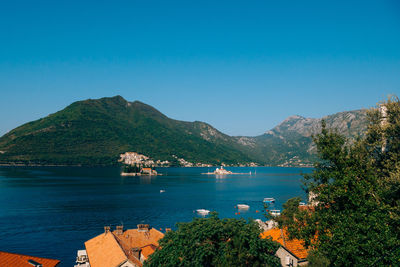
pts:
[136, 159]
[295, 162]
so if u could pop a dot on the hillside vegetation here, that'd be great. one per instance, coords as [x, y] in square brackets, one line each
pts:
[95, 132]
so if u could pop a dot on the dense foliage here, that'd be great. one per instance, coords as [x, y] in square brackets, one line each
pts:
[132, 168]
[215, 242]
[356, 221]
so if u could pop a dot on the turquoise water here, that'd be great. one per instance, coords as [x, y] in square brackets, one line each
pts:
[52, 211]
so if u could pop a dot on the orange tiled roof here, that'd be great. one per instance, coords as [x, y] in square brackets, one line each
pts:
[112, 249]
[135, 238]
[148, 250]
[104, 250]
[295, 246]
[12, 259]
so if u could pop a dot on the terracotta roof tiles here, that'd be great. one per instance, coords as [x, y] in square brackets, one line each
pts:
[12, 259]
[104, 250]
[295, 246]
[111, 249]
[148, 250]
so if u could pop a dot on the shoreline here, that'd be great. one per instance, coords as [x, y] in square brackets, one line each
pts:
[80, 165]
[211, 173]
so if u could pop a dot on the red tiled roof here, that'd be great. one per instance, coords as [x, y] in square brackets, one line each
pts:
[148, 250]
[136, 238]
[295, 246]
[104, 250]
[146, 240]
[112, 249]
[11, 259]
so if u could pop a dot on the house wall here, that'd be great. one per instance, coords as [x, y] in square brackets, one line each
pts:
[286, 257]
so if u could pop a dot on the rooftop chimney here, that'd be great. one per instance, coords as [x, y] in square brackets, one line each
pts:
[143, 227]
[120, 230]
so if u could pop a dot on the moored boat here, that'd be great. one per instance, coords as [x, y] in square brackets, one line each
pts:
[243, 206]
[203, 212]
[269, 200]
[275, 212]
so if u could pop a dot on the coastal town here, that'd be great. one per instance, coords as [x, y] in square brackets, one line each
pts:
[134, 158]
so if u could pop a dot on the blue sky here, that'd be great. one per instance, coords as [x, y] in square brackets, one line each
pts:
[242, 66]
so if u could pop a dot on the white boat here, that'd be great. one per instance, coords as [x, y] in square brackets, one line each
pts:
[269, 200]
[203, 212]
[243, 206]
[275, 212]
[162, 191]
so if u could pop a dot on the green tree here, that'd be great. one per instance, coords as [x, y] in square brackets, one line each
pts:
[316, 259]
[357, 187]
[215, 242]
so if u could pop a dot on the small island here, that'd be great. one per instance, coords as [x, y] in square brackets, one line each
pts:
[221, 171]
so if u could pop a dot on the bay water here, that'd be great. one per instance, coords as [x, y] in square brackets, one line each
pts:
[51, 211]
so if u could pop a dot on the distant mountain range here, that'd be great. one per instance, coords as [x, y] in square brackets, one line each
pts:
[290, 143]
[95, 132]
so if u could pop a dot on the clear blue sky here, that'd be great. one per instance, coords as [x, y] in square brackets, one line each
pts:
[242, 66]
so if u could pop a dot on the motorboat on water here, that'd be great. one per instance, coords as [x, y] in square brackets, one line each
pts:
[162, 191]
[243, 206]
[269, 200]
[275, 212]
[203, 212]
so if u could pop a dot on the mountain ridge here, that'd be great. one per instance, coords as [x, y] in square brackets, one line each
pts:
[96, 131]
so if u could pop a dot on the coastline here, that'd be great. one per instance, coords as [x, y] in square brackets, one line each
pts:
[107, 165]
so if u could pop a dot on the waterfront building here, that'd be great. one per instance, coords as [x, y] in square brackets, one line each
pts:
[12, 259]
[119, 248]
[222, 171]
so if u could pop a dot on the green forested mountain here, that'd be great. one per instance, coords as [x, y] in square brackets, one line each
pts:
[95, 132]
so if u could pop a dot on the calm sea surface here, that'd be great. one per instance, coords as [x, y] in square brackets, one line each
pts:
[51, 211]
